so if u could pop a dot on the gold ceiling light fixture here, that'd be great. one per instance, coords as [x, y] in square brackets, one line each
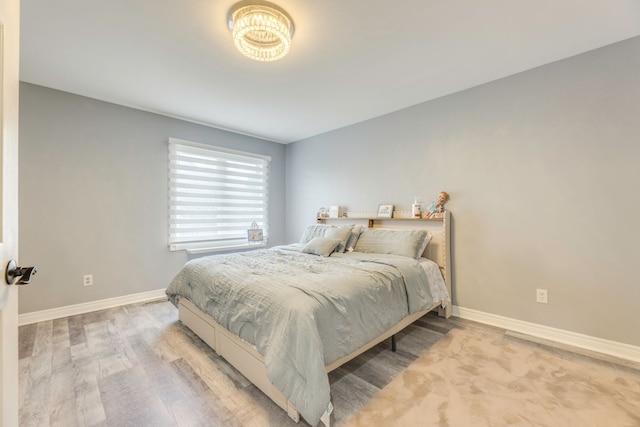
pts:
[261, 30]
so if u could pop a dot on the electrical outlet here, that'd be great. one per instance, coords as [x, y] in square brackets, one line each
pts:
[87, 280]
[542, 296]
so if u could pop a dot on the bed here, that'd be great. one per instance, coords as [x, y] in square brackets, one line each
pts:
[288, 315]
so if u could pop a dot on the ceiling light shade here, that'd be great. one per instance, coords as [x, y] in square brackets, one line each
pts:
[261, 31]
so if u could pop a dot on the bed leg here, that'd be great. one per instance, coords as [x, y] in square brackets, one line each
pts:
[292, 411]
[445, 312]
[393, 343]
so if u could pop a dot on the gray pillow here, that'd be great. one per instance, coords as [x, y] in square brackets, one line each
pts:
[342, 233]
[323, 230]
[353, 238]
[323, 246]
[395, 242]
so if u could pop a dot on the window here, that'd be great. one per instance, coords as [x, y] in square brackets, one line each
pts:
[215, 194]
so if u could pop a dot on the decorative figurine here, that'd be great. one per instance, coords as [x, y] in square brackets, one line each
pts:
[436, 208]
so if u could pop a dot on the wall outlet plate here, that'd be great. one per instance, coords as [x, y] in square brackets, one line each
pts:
[87, 280]
[542, 296]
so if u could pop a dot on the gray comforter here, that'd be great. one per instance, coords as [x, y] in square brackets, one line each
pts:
[302, 311]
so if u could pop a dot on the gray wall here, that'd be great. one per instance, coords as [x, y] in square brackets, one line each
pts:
[93, 196]
[542, 168]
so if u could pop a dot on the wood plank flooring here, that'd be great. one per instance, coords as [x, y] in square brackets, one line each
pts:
[137, 365]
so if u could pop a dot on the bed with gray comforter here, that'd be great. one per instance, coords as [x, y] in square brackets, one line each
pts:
[303, 312]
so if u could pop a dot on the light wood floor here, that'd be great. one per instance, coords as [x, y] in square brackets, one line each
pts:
[137, 365]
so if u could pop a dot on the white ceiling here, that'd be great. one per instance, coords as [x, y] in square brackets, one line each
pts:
[351, 60]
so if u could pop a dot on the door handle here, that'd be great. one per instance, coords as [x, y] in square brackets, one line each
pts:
[14, 272]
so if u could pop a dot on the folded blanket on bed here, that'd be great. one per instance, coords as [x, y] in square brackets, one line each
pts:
[303, 311]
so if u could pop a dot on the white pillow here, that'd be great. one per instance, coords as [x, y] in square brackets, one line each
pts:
[312, 231]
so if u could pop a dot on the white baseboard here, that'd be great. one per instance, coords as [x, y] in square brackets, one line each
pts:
[611, 348]
[87, 307]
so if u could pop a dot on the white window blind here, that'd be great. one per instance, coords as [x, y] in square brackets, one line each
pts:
[215, 194]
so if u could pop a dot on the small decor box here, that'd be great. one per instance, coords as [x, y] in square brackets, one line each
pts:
[335, 212]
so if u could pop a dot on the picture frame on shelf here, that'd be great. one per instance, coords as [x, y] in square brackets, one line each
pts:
[385, 211]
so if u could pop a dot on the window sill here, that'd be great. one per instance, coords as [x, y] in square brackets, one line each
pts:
[225, 248]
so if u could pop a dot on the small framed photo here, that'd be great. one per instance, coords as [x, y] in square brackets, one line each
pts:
[255, 235]
[385, 211]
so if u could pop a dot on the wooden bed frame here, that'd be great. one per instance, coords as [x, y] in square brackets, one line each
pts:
[246, 359]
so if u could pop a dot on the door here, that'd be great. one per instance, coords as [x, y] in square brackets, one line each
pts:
[9, 84]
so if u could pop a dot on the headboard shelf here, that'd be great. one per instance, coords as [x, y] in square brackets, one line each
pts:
[379, 218]
[373, 220]
[372, 217]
